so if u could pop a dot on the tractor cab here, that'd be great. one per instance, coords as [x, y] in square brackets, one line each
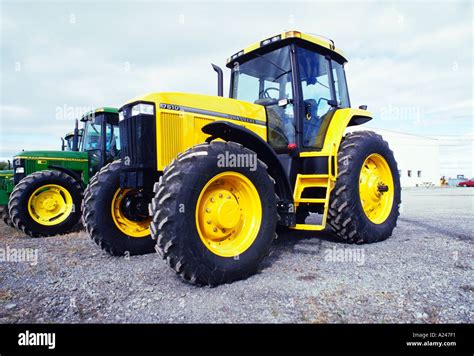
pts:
[68, 142]
[100, 137]
[300, 81]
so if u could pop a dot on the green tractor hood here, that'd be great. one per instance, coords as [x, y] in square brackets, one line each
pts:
[53, 155]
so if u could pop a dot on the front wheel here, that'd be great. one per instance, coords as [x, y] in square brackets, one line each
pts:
[46, 203]
[364, 204]
[214, 222]
[116, 219]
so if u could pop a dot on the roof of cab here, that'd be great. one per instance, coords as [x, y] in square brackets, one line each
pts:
[105, 109]
[297, 36]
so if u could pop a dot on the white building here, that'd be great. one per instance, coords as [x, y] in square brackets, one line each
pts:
[417, 156]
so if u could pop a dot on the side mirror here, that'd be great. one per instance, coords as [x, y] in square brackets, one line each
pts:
[363, 107]
[333, 103]
[63, 146]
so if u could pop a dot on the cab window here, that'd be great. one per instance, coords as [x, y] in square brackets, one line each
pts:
[265, 80]
[316, 89]
[340, 85]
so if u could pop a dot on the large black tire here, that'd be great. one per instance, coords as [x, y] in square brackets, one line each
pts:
[175, 228]
[346, 216]
[99, 222]
[5, 216]
[18, 203]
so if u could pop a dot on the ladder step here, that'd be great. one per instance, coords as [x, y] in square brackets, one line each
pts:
[307, 227]
[311, 200]
[312, 176]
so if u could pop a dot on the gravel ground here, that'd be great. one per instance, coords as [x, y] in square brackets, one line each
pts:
[423, 273]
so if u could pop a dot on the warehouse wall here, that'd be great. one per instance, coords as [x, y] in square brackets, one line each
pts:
[417, 156]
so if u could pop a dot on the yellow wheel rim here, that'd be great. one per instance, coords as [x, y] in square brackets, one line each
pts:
[129, 227]
[228, 214]
[50, 204]
[376, 188]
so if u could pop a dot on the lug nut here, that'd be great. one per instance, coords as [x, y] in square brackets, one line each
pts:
[208, 210]
[215, 229]
[209, 222]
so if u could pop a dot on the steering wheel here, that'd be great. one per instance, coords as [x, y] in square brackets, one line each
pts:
[267, 95]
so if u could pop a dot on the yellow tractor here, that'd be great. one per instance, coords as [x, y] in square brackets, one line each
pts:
[205, 180]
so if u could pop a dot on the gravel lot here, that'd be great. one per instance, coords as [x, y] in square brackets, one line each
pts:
[423, 273]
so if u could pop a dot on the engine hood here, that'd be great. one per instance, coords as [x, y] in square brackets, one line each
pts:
[236, 109]
[68, 155]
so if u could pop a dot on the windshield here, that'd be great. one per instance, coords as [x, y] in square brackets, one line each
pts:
[266, 76]
[91, 140]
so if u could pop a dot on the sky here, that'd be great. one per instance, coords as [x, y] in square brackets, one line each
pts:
[410, 62]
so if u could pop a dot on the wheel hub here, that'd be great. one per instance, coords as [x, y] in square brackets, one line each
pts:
[228, 214]
[49, 204]
[376, 188]
[222, 214]
[129, 213]
[134, 206]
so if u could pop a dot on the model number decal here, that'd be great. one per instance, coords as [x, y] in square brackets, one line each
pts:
[170, 107]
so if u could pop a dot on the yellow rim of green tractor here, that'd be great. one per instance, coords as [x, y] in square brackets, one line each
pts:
[50, 204]
[376, 188]
[129, 227]
[228, 214]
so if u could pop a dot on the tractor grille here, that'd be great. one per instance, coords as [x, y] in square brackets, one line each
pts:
[174, 136]
[138, 141]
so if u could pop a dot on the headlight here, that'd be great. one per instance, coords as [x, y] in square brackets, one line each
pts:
[141, 108]
[121, 117]
[20, 170]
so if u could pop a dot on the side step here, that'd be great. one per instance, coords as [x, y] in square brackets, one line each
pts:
[304, 181]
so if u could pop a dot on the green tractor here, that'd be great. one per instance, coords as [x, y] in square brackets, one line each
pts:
[6, 187]
[48, 185]
[68, 143]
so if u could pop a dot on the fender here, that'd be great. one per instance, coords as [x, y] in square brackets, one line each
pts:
[69, 172]
[231, 132]
[340, 121]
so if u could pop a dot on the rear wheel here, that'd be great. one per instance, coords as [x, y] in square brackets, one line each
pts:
[364, 204]
[117, 219]
[46, 203]
[214, 224]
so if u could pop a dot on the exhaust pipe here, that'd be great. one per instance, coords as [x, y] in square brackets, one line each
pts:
[75, 139]
[220, 79]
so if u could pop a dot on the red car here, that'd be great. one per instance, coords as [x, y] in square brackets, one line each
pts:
[466, 183]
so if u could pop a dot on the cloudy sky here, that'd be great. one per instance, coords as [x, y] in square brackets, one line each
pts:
[410, 62]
